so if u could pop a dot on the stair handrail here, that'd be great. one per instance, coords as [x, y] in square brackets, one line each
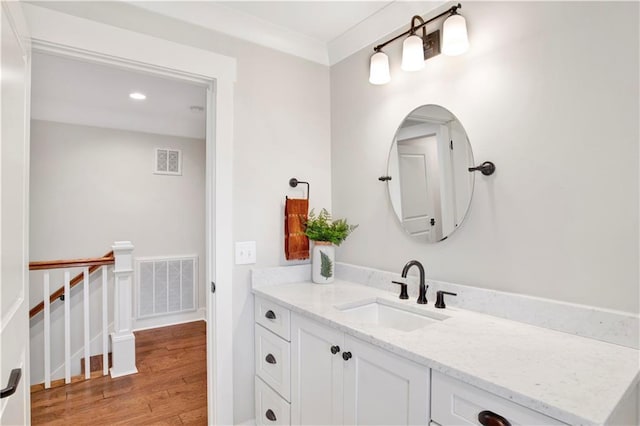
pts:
[93, 263]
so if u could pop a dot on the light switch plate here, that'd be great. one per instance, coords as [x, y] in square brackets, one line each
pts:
[245, 252]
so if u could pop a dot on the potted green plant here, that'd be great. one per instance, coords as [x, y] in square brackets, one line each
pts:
[326, 233]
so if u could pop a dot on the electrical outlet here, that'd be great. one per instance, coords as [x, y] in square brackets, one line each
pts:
[245, 252]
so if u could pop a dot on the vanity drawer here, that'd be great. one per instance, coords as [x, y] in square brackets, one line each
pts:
[457, 403]
[273, 317]
[271, 409]
[272, 361]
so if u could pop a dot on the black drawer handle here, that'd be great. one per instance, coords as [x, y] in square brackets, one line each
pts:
[14, 379]
[335, 349]
[489, 418]
[270, 315]
[346, 356]
[270, 415]
[270, 359]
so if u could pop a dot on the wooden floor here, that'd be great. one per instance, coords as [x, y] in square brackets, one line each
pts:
[170, 388]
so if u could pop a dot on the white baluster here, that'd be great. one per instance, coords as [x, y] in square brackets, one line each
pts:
[87, 328]
[67, 328]
[105, 324]
[47, 333]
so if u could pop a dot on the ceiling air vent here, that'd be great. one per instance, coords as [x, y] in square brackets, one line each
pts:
[168, 161]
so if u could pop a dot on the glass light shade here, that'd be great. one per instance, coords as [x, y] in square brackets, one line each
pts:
[379, 69]
[454, 37]
[412, 54]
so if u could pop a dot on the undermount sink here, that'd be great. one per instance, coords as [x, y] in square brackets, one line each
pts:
[383, 313]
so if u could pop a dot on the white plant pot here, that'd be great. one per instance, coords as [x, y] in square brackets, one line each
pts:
[323, 262]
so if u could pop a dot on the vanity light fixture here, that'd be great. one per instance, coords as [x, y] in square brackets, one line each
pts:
[416, 49]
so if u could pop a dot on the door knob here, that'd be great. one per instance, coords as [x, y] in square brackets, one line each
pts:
[270, 359]
[270, 315]
[335, 349]
[346, 356]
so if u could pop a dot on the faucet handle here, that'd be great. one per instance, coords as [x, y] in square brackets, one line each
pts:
[440, 298]
[403, 289]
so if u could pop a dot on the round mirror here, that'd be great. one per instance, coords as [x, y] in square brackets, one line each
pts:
[430, 186]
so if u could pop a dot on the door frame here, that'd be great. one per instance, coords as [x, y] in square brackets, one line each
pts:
[61, 34]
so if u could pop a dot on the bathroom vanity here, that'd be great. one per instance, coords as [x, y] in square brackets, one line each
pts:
[347, 353]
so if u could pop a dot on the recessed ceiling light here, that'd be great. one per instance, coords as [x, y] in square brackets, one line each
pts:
[138, 96]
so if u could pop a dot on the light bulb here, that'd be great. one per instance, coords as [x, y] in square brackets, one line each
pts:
[454, 37]
[412, 54]
[379, 69]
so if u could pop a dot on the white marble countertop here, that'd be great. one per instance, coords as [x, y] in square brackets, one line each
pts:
[570, 378]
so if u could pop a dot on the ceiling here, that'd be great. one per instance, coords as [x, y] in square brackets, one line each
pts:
[71, 91]
[321, 31]
[323, 21]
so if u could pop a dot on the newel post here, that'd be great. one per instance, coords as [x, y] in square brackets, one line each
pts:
[123, 342]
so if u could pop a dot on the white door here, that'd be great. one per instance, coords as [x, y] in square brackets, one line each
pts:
[316, 373]
[381, 388]
[14, 296]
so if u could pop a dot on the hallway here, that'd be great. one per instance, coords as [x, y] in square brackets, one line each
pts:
[170, 387]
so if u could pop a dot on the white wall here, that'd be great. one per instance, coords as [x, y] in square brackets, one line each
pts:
[281, 130]
[549, 93]
[92, 186]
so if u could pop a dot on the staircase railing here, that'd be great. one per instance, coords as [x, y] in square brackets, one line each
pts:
[122, 338]
[96, 264]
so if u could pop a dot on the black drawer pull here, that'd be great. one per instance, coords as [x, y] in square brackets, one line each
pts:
[489, 418]
[270, 315]
[14, 379]
[270, 415]
[270, 359]
[346, 356]
[335, 349]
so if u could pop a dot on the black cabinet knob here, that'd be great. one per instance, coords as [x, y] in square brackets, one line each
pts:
[270, 359]
[270, 415]
[335, 349]
[346, 356]
[489, 418]
[270, 315]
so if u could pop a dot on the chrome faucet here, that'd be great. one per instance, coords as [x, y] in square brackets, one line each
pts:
[422, 296]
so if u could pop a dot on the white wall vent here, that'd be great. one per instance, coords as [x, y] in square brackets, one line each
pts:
[166, 285]
[167, 161]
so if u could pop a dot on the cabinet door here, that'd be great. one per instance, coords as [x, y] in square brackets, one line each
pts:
[381, 388]
[316, 373]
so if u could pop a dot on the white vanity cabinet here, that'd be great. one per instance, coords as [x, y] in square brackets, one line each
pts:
[381, 388]
[457, 403]
[310, 373]
[317, 371]
[338, 379]
[272, 363]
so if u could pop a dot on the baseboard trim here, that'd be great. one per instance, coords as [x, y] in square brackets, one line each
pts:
[169, 320]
